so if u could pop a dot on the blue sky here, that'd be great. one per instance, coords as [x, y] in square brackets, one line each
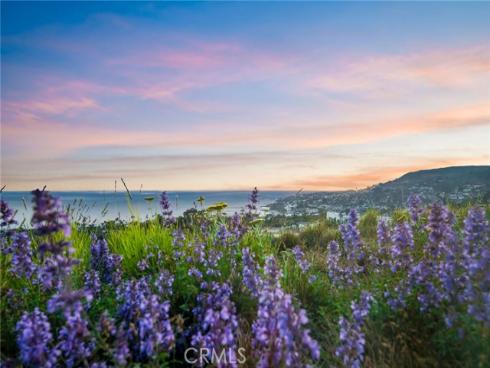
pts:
[278, 95]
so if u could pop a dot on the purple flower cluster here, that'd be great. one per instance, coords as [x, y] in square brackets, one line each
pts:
[104, 263]
[352, 339]
[252, 204]
[163, 283]
[441, 231]
[6, 215]
[450, 271]
[21, 264]
[75, 341]
[168, 218]
[223, 236]
[476, 231]
[415, 207]
[49, 217]
[178, 243]
[379, 259]
[114, 338]
[303, 263]
[350, 233]
[435, 274]
[299, 255]
[251, 277]
[351, 257]
[383, 234]
[476, 257]
[69, 302]
[279, 335]
[145, 320]
[92, 283]
[237, 228]
[402, 244]
[203, 259]
[34, 339]
[217, 323]
[336, 272]
[55, 269]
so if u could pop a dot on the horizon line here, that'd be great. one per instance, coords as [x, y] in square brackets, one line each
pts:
[4, 187]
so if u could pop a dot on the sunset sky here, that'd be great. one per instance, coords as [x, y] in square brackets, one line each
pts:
[196, 96]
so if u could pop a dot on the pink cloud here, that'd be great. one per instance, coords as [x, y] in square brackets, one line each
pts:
[49, 138]
[451, 68]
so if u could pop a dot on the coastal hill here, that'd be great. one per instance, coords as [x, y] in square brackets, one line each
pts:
[454, 184]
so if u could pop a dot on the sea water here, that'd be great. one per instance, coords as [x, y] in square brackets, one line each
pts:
[102, 206]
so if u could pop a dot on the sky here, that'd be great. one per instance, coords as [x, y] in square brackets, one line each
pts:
[223, 96]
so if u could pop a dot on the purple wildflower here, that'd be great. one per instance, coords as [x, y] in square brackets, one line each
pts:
[75, 342]
[69, 302]
[396, 299]
[211, 264]
[33, 338]
[21, 264]
[279, 334]
[476, 230]
[143, 265]
[113, 338]
[350, 232]
[164, 283]
[6, 215]
[237, 228]
[121, 351]
[106, 327]
[106, 264]
[383, 234]
[54, 271]
[166, 210]
[178, 243]
[441, 232]
[222, 236]
[402, 240]
[422, 275]
[477, 265]
[415, 207]
[204, 226]
[252, 202]
[49, 217]
[92, 283]
[300, 259]
[340, 268]
[218, 323]
[251, 277]
[353, 247]
[352, 339]
[199, 253]
[145, 320]
[194, 272]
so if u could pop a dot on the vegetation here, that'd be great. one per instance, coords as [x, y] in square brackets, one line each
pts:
[409, 291]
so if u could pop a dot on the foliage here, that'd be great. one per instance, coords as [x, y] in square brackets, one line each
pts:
[407, 291]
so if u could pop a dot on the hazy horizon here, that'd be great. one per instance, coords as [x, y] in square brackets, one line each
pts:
[120, 187]
[228, 96]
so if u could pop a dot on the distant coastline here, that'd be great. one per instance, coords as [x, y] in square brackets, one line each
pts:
[102, 206]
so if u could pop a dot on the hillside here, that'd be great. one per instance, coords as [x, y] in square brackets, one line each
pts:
[456, 184]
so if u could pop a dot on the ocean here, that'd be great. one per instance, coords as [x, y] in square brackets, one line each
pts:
[103, 206]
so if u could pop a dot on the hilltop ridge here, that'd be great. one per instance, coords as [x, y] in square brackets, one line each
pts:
[455, 183]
